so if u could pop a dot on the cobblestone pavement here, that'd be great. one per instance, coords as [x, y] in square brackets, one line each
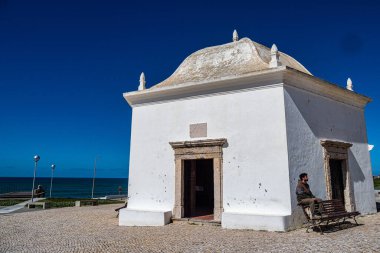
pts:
[95, 229]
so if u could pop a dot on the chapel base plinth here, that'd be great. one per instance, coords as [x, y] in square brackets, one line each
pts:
[255, 221]
[130, 217]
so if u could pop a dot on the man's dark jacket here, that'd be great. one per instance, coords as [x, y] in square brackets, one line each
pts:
[303, 191]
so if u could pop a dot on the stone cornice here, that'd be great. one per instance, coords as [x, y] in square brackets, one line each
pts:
[228, 83]
[198, 143]
[335, 144]
[260, 79]
[318, 86]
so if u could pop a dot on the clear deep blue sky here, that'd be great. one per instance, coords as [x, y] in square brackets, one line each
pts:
[64, 65]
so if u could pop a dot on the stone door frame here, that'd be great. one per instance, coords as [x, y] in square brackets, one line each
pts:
[338, 151]
[198, 149]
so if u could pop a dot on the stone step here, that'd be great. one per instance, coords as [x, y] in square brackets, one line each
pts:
[195, 221]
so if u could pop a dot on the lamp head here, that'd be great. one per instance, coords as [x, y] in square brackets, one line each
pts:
[36, 158]
[53, 166]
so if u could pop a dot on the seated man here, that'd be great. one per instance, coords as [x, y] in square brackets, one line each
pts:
[40, 192]
[304, 194]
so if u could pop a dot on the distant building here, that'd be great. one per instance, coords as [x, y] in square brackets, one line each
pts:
[227, 134]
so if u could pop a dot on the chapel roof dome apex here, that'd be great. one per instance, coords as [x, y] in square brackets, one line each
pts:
[232, 59]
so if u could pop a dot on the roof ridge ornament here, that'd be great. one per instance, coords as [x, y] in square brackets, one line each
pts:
[142, 82]
[275, 57]
[349, 85]
[235, 36]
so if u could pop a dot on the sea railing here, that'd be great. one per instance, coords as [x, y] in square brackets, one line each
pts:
[63, 188]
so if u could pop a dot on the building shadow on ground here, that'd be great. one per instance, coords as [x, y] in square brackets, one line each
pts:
[331, 228]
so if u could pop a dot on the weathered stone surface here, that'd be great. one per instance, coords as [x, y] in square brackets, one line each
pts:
[235, 58]
[198, 130]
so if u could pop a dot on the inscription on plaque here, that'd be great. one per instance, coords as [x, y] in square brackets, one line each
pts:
[198, 130]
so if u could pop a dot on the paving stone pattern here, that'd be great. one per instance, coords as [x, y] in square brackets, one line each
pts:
[95, 229]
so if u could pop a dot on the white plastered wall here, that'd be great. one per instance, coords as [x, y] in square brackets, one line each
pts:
[255, 161]
[311, 118]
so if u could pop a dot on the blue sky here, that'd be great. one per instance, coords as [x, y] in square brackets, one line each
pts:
[64, 65]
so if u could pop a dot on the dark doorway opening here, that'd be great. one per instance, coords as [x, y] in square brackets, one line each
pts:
[337, 180]
[199, 187]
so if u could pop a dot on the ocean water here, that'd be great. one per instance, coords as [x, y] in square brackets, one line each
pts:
[66, 187]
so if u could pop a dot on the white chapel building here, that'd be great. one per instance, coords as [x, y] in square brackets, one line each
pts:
[225, 137]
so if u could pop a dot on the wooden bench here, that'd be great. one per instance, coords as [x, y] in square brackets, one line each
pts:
[34, 204]
[333, 211]
[118, 209]
[91, 202]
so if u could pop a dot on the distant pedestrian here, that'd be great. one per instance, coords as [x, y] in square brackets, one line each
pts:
[120, 189]
[40, 192]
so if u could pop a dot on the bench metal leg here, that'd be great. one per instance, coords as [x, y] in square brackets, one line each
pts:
[340, 223]
[310, 225]
[320, 229]
[357, 224]
[318, 224]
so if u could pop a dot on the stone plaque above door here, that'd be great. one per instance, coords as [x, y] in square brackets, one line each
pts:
[198, 130]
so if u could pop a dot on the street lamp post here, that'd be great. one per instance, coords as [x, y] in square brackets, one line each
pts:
[36, 158]
[51, 180]
[93, 179]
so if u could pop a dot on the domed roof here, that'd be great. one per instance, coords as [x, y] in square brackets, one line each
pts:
[231, 59]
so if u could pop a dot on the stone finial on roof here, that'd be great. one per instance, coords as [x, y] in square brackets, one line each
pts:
[235, 36]
[349, 84]
[142, 81]
[275, 57]
[274, 49]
